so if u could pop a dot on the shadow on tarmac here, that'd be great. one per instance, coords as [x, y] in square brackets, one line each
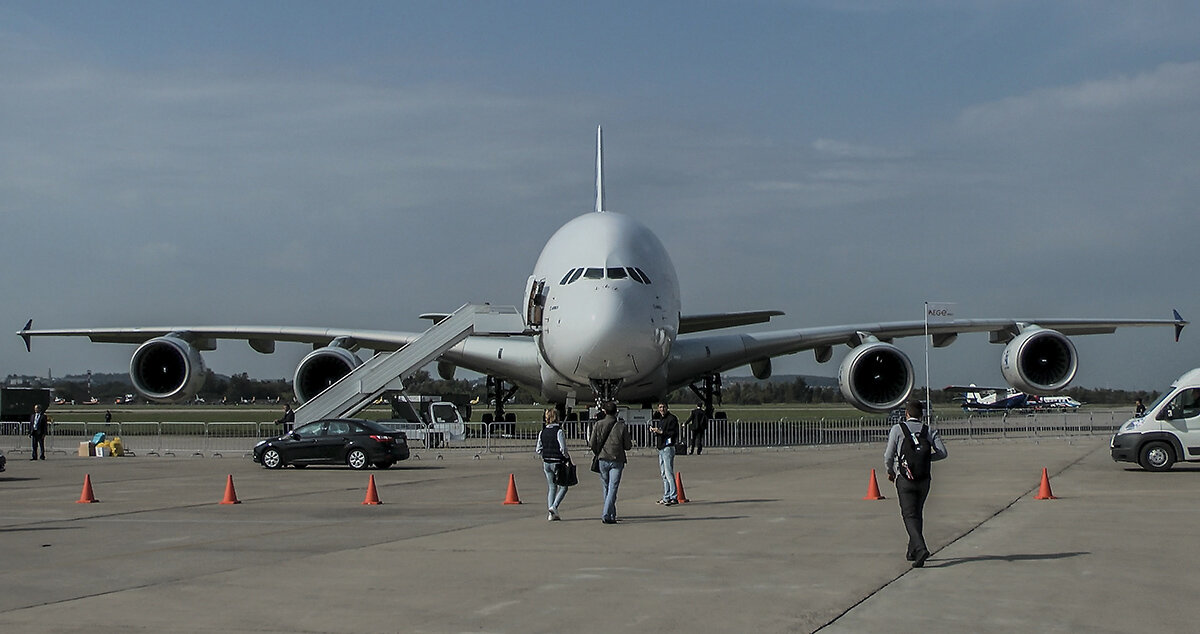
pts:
[954, 561]
[39, 529]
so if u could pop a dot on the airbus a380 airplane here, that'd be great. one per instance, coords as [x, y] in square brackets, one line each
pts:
[604, 321]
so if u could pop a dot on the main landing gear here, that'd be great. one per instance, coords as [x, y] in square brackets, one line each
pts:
[500, 392]
[709, 392]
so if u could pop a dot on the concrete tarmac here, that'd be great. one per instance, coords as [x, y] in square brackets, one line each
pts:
[771, 541]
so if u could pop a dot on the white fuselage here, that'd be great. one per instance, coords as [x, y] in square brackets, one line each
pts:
[611, 310]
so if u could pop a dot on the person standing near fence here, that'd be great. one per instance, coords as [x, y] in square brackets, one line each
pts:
[912, 445]
[609, 441]
[552, 447]
[666, 431]
[697, 424]
[288, 419]
[39, 425]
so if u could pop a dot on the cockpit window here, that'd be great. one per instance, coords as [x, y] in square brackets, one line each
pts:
[612, 273]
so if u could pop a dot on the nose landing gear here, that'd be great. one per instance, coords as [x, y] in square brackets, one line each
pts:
[606, 389]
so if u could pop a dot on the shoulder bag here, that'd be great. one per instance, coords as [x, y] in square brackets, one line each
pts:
[596, 454]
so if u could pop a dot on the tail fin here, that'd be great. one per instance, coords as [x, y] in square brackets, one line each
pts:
[600, 170]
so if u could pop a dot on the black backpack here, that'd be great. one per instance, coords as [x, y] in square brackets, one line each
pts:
[916, 453]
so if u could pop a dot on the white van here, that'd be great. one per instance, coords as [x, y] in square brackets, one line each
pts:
[1169, 432]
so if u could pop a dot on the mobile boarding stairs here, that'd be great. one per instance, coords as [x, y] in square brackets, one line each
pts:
[383, 372]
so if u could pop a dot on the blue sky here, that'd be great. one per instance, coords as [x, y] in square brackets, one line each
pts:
[356, 164]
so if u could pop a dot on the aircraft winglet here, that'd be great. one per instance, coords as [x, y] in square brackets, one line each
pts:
[1180, 322]
[29, 324]
[599, 170]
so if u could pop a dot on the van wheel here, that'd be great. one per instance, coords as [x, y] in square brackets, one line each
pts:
[1156, 456]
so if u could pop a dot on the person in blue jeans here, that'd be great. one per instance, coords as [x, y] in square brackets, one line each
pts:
[609, 441]
[666, 434]
[552, 447]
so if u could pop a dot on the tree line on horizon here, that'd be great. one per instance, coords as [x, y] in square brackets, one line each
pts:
[241, 387]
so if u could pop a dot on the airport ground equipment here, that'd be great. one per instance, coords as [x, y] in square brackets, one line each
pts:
[429, 419]
[383, 372]
[1168, 432]
[16, 403]
[16, 407]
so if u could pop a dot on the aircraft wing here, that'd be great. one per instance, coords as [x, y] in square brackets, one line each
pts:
[698, 323]
[261, 338]
[973, 388]
[704, 353]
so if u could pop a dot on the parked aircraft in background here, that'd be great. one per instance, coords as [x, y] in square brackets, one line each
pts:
[988, 399]
[604, 321]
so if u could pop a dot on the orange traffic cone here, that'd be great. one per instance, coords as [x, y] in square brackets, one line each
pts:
[679, 489]
[86, 496]
[873, 489]
[230, 494]
[511, 497]
[372, 494]
[1044, 492]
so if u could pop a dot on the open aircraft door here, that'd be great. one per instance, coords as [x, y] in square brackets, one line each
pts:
[535, 302]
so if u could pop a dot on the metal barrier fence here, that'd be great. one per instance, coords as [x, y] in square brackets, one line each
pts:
[238, 439]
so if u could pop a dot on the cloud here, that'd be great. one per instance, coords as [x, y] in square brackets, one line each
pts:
[1168, 90]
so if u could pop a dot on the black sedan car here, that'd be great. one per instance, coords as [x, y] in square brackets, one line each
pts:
[351, 441]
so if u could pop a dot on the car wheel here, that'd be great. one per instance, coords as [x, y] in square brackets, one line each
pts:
[357, 459]
[1156, 456]
[383, 465]
[271, 458]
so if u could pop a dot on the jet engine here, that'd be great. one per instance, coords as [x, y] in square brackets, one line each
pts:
[876, 377]
[320, 369]
[1039, 361]
[167, 369]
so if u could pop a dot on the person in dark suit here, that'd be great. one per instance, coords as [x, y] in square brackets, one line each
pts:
[39, 424]
[697, 424]
[288, 420]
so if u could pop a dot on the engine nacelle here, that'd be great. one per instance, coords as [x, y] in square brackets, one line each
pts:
[167, 369]
[876, 377]
[1039, 361]
[320, 369]
[761, 369]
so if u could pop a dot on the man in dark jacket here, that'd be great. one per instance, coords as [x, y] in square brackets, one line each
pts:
[609, 441]
[666, 430]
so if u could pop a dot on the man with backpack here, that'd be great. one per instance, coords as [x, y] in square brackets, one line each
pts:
[912, 445]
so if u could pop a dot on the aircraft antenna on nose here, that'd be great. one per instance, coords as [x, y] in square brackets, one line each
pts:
[599, 170]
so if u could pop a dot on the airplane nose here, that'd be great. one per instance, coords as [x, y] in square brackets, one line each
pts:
[611, 341]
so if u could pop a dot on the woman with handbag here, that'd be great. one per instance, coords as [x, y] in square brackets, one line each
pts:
[556, 461]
